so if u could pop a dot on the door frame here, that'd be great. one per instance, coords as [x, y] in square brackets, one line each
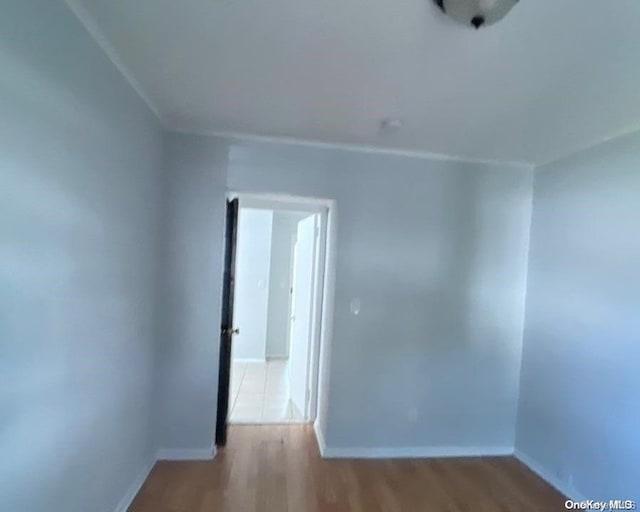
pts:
[292, 255]
[322, 321]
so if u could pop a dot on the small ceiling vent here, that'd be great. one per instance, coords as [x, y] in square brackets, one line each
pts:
[476, 13]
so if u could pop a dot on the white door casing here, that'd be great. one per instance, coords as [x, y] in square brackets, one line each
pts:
[304, 283]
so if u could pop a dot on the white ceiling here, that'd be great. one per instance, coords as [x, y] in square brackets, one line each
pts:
[553, 77]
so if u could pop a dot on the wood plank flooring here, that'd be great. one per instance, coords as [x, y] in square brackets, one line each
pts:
[279, 469]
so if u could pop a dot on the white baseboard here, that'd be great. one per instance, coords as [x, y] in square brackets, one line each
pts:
[187, 454]
[249, 360]
[415, 452]
[407, 452]
[163, 454]
[134, 489]
[322, 447]
[548, 476]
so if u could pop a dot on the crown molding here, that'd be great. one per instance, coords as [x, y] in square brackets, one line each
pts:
[592, 145]
[96, 34]
[359, 148]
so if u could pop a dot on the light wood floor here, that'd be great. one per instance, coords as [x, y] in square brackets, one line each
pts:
[279, 469]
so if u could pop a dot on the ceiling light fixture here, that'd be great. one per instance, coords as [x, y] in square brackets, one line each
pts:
[476, 13]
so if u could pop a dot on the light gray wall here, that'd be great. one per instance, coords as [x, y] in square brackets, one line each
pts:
[436, 252]
[579, 415]
[285, 226]
[188, 351]
[80, 160]
[253, 263]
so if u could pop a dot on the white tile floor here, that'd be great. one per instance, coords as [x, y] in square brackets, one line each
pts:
[260, 393]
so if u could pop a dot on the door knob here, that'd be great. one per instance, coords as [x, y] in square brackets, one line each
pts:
[230, 331]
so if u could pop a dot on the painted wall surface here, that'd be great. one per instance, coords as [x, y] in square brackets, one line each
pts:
[80, 163]
[285, 226]
[436, 253]
[253, 263]
[191, 291]
[579, 417]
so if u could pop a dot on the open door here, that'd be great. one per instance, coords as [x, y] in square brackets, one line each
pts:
[302, 313]
[226, 329]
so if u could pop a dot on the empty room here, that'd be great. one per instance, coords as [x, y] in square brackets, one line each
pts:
[319, 256]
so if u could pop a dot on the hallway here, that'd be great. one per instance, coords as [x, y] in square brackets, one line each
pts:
[260, 393]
